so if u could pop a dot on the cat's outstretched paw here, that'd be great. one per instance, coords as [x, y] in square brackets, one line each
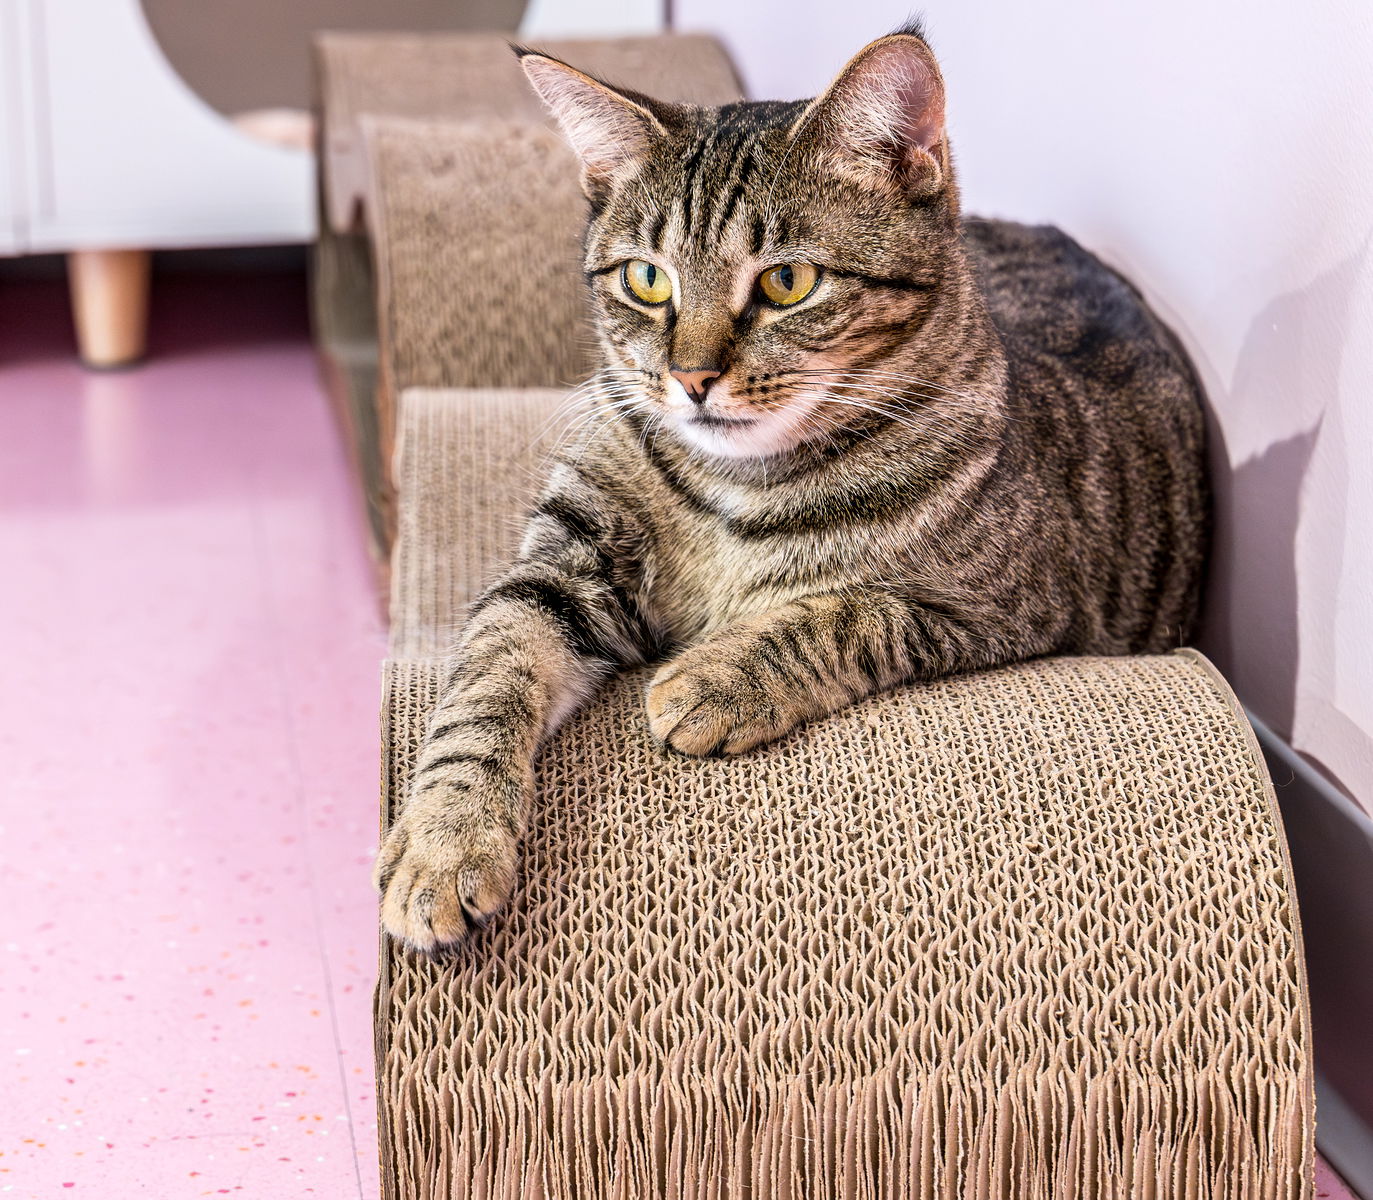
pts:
[701, 703]
[440, 881]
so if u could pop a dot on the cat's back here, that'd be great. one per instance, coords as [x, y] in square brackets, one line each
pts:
[1109, 413]
[1047, 295]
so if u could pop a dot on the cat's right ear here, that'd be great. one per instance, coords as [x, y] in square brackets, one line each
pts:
[606, 128]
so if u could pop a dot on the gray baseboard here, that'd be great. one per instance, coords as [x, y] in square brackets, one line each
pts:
[1331, 840]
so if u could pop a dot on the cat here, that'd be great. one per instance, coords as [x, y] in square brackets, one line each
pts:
[850, 440]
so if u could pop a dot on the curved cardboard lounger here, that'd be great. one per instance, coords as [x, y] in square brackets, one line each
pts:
[474, 76]
[1021, 935]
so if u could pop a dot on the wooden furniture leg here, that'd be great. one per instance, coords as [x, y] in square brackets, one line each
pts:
[109, 292]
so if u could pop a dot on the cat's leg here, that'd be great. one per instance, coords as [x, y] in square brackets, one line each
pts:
[537, 646]
[753, 681]
[449, 859]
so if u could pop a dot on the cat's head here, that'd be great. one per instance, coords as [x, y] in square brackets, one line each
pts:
[753, 267]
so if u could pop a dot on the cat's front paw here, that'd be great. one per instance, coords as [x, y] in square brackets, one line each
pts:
[701, 703]
[441, 880]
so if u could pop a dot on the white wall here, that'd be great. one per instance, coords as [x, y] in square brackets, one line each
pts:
[590, 18]
[1222, 154]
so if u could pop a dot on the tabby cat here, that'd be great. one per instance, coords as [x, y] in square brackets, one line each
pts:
[850, 440]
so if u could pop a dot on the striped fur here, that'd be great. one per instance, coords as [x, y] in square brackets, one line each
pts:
[973, 444]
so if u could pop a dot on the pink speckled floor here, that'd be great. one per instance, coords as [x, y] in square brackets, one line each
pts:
[189, 749]
[188, 757]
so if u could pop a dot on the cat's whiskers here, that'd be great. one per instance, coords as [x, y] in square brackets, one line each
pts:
[898, 376]
[574, 421]
[978, 403]
[983, 404]
[584, 392]
[966, 424]
[605, 401]
[655, 424]
[612, 401]
[927, 431]
[898, 397]
[928, 423]
[896, 405]
[608, 409]
[579, 397]
[586, 440]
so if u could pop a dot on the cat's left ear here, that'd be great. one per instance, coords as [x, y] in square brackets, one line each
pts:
[883, 116]
[606, 127]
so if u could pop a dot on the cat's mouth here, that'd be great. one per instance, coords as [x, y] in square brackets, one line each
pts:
[723, 427]
[705, 420]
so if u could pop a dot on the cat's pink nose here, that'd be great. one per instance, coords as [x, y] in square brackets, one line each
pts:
[696, 382]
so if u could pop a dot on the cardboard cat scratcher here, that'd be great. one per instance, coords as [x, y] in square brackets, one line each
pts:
[1024, 935]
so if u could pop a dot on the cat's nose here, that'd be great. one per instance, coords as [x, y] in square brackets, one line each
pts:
[696, 380]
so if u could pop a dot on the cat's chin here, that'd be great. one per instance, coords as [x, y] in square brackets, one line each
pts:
[765, 435]
[764, 438]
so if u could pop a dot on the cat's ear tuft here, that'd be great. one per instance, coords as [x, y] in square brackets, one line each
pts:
[884, 114]
[605, 127]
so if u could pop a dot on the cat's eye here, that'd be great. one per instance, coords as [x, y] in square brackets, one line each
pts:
[646, 282]
[789, 283]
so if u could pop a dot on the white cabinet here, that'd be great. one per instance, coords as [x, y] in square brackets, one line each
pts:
[123, 154]
[12, 128]
[103, 146]
[106, 153]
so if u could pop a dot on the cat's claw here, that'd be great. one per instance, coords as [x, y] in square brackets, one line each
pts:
[438, 889]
